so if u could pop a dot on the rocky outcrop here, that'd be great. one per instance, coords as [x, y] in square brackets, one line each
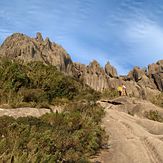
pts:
[145, 85]
[139, 82]
[21, 47]
[155, 72]
[92, 75]
[139, 76]
[136, 74]
[110, 70]
[151, 78]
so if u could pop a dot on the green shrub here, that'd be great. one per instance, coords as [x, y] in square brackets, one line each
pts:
[56, 137]
[109, 93]
[38, 84]
[154, 115]
[13, 76]
[70, 136]
[158, 100]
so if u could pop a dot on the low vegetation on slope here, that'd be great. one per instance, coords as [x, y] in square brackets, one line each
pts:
[36, 84]
[109, 94]
[70, 136]
[154, 115]
[158, 100]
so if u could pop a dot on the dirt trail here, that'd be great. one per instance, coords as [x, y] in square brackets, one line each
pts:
[133, 139]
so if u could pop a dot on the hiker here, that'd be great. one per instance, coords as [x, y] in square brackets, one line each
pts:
[124, 93]
[119, 90]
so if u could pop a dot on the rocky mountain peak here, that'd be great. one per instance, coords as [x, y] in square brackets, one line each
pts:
[94, 66]
[139, 82]
[48, 43]
[110, 70]
[94, 63]
[21, 47]
[39, 37]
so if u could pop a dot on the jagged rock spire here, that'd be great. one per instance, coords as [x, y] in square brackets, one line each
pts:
[39, 37]
[48, 43]
[110, 70]
[22, 47]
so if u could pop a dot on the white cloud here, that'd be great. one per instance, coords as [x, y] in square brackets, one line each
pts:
[146, 39]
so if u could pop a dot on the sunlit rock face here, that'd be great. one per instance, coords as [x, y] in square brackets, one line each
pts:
[110, 70]
[140, 76]
[21, 47]
[93, 75]
[155, 72]
[139, 82]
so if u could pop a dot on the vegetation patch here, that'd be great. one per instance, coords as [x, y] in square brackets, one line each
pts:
[109, 94]
[36, 84]
[158, 100]
[154, 115]
[70, 136]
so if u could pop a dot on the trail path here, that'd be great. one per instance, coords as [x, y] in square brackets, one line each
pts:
[133, 139]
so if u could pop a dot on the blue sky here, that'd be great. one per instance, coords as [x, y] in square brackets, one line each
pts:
[124, 32]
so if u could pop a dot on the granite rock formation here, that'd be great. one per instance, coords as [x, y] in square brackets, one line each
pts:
[110, 70]
[21, 47]
[92, 75]
[155, 72]
[140, 83]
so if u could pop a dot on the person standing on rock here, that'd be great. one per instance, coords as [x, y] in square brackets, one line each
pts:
[119, 90]
[124, 93]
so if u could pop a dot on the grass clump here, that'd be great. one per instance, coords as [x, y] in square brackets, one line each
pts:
[158, 100]
[154, 115]
[109, 94]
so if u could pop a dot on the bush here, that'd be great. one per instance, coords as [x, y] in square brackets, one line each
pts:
[36, 84]
[158, 100]
[70, 136]
[109, 93]
[153, 115]
[57, 137]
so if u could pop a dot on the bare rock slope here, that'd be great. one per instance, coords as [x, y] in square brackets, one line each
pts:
[133, 138]
[23, 112]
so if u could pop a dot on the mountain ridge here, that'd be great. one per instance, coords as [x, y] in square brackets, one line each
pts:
[140, 83]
